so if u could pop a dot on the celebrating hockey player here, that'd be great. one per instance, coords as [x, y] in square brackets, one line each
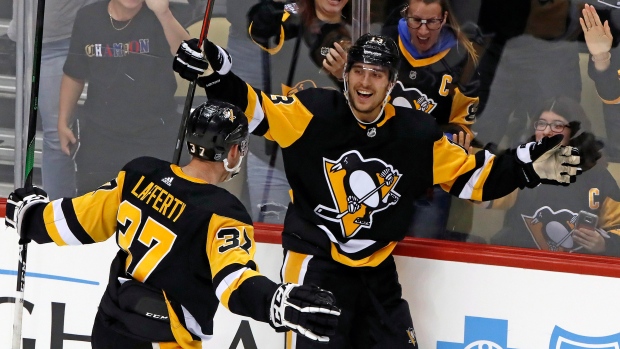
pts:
[185, 245]
[356, 164]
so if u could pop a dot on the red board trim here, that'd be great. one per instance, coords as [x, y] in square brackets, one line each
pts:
[484, 254]
[472, 253]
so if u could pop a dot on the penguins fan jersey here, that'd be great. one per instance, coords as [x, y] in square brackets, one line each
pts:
[353, 184]
[191, 239]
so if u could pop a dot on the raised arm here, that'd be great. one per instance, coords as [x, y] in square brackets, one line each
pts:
[174, 31]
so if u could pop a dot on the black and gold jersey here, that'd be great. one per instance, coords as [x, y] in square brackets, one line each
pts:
[444, 85]
[179, 234]
[606, 82]
[544, 217]
[354, 184]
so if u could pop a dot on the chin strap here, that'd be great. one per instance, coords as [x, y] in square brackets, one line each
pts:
[235, 170]
[346, 96]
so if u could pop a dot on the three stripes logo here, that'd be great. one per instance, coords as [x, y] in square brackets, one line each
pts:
[167, 180]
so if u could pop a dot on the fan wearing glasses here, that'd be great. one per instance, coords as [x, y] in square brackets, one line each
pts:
[548, 219]
[438, 75]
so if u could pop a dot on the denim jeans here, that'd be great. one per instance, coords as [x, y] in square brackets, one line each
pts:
[58, 169]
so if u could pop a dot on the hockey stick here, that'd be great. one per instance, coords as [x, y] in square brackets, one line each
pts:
[331, 216]
[32, 130]
[187, 108]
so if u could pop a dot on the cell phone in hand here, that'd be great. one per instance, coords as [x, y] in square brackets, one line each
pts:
[586, 220]
[73, 149]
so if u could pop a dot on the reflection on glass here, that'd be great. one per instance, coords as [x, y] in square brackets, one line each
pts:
[482, 68]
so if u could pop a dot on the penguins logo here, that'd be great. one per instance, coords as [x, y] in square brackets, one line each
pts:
[359, 187]
[412, 98]
[552, 230]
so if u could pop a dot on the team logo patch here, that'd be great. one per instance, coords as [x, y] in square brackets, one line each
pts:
[411, 335]
[552, 230]
[360, 188]
[412, 98]
[230, 116]
[300, 86]
[562, 339]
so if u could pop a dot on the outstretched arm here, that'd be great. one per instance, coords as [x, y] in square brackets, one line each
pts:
[484, 176]
[307, 310]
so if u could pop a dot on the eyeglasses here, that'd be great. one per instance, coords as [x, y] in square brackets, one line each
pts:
[416, 22]
[556, 126]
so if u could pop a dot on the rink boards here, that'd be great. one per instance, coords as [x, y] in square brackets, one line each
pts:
[462, 296]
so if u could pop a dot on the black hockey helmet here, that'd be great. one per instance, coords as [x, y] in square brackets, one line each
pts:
[377, 50]
[213, 128]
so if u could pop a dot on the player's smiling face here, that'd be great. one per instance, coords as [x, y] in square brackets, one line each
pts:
[329, 10]
[423, 38]
[367, 86]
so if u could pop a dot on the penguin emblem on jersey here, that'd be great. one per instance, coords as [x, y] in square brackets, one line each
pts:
[412, 98]
[360, 188]
[551, 230]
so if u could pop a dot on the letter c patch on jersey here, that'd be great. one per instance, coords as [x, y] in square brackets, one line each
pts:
[359, 187]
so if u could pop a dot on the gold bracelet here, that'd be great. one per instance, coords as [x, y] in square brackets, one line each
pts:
[604, 59]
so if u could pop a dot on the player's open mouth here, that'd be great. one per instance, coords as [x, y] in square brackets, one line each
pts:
[364, 94]
[423, 40]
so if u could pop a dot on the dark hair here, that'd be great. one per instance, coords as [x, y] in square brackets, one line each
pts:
[307, 11]
[580, 135]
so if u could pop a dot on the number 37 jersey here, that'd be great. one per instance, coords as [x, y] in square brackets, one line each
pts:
[191, 239]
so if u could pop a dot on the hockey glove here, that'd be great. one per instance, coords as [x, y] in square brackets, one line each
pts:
[266, 20]
[18, 204]
[547, 162]
[307, 310]
[189, 61]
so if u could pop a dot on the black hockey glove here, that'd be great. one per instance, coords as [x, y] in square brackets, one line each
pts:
[547, 162]
[189, 61]
[307, 310]
[18, 204]
[266, 20]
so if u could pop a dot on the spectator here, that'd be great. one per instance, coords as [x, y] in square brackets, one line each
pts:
[604, 69]
[182, 253]
[304, 31]
[57, 168]
[532, 56]
[544, 218]
[437, 75]
[123, 50]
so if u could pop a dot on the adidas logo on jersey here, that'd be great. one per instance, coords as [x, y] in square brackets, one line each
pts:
[167, 180]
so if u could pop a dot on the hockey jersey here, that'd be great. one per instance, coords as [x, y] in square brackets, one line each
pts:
[354, 184]
[191, 240]
[444, 85]
[607, 84]
[543, 217]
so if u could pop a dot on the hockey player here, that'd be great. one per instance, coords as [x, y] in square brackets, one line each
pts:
[355, 165]
[185, 245]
